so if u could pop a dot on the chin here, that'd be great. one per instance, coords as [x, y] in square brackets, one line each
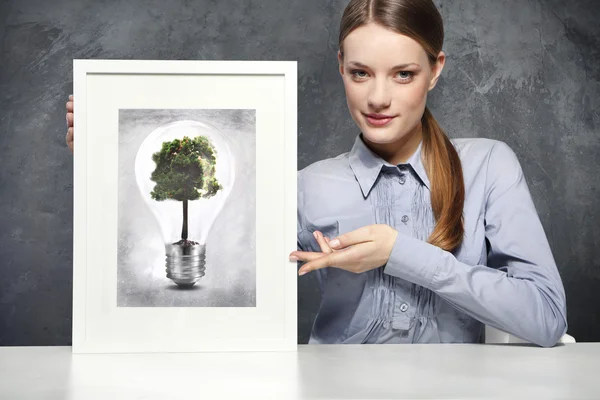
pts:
[392, 133]
[379, 137]
[385, 135]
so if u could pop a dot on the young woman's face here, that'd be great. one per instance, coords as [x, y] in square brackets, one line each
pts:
[386, 77]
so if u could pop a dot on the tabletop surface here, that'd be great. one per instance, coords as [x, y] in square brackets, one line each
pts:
[314, 371]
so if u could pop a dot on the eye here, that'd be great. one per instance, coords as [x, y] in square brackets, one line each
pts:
[405, 75]
[358, 73]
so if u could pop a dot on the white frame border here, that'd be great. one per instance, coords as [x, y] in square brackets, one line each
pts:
[81, 69]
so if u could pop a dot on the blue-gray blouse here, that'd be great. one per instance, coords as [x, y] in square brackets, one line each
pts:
[503, 274]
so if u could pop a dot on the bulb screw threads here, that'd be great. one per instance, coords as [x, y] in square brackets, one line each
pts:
[185, 262]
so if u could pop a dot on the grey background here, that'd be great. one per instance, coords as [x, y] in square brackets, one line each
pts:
[230, 279]
[526, 72]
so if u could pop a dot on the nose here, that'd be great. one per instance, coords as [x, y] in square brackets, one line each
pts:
[379, 96]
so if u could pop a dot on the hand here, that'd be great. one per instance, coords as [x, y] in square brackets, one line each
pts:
[358, 251]
[70, 129]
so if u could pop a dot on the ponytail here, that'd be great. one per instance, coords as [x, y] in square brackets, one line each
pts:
[444, 170]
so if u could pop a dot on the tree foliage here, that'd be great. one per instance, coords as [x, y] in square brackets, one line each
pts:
[185, 170]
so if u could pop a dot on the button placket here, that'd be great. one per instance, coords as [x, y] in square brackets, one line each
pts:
[403, 174]
[404, 198]
[403, 314]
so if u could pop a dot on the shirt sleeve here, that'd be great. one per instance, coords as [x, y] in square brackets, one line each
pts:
[520, 290]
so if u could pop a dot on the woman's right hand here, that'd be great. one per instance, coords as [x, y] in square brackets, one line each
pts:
[70, 132]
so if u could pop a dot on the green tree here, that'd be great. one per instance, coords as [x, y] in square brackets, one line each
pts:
[185, 171]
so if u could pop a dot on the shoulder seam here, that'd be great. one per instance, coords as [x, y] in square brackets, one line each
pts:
[487, 172]
[519, 176]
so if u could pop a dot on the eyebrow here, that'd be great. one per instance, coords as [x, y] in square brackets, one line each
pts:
[399, 66]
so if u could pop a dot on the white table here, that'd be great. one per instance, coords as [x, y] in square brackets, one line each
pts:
[316, 371]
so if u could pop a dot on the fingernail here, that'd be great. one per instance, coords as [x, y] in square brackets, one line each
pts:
[293, 258]
[334, 243]
[300, 273]
[315, 235]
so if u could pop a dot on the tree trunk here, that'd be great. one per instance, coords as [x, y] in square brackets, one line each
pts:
[184, 231]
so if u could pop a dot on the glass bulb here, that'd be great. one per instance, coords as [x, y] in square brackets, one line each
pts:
[185, 256]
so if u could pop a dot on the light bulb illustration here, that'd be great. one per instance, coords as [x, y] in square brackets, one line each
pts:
[185, 171]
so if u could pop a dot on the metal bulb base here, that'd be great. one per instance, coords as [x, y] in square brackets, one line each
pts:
[185, 262]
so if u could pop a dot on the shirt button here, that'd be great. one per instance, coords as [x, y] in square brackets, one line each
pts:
[403, 307]
[402, 180]
[405, 218]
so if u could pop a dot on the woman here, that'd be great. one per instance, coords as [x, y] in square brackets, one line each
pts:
[414, 237]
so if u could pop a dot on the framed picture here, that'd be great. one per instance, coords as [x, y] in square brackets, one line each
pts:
[184, 206]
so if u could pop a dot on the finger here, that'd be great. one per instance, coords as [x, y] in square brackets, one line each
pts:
[339, 259]
[69, 119]
[305, 256]
[70, 106]
[328, 244]
[69, 138]
[360, 235]
[322, 242]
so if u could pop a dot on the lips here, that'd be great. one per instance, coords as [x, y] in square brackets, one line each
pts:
[379, 119]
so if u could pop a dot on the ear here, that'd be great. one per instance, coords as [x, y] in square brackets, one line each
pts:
[340, 62]
[437, 69]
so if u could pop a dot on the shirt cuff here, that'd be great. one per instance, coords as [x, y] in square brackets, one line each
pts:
[414, 260]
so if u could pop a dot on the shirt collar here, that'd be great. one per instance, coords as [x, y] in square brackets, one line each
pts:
[367, 165]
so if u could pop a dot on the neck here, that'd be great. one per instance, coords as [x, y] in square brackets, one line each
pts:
[400, 151]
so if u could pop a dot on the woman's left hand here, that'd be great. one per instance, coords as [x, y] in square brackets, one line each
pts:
[358, 251]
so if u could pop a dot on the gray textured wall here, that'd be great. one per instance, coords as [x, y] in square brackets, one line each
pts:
[526, 72]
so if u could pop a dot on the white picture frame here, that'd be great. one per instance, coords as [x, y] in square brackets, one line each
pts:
[101, 89]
